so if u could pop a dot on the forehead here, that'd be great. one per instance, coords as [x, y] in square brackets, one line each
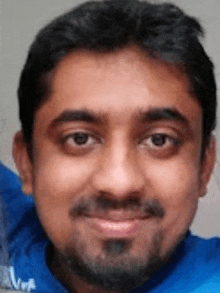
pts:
[127, 81]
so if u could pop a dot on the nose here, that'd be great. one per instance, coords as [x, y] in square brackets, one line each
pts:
[119, 173]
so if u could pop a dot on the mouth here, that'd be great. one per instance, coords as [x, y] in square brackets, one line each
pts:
[116, 225]
[116, 229]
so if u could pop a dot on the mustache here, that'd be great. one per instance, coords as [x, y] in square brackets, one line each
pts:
[99, 205]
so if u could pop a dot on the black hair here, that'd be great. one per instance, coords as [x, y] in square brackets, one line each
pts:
[163, 30]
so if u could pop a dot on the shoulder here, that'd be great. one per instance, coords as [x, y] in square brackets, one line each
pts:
[11, 191]
[197, 265]
[209, 247]
[8, 179]
[203, 258]
[15, 204]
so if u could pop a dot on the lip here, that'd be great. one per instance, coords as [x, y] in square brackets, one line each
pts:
[112, 228]
[117, 216]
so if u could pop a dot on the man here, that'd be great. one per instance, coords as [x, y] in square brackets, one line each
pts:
[117, 104]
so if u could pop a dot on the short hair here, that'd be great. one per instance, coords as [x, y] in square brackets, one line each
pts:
[163, 30]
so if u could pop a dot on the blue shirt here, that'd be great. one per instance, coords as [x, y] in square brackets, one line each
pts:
[195, 266]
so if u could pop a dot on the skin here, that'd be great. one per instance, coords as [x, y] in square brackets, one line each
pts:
[119, 159]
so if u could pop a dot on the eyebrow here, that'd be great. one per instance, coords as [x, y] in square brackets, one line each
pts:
[76, 115]
[148, 116]
[159, 114]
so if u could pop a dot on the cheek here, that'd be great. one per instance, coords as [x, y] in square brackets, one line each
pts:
[177, 181]
[176, 184]
[60, 174]
[177, 189]
[57, 183]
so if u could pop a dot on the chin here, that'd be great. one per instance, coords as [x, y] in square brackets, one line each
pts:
[117, 267]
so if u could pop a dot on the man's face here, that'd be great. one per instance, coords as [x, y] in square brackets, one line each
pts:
[116, 173]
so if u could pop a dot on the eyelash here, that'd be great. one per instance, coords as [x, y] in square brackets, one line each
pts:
[73, 136]
[174, 142]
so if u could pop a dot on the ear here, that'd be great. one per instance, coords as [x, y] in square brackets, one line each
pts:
[23, 162]
[207, 165]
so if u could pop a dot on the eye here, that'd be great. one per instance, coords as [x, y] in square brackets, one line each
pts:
[80, 139]
[161, 141]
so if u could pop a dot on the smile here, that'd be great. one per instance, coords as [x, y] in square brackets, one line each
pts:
[110, 228]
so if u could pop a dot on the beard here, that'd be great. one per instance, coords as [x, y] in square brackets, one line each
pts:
[118, 266]
[115, 268]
